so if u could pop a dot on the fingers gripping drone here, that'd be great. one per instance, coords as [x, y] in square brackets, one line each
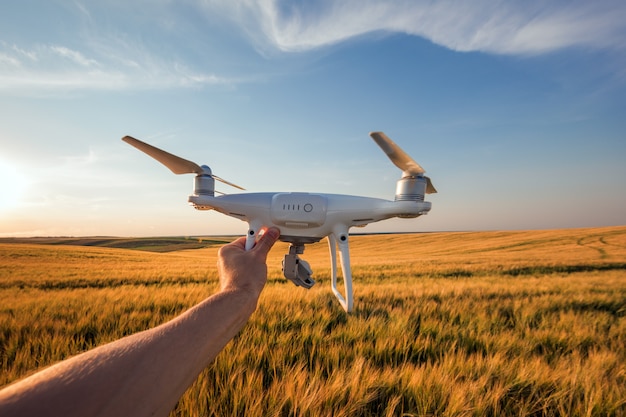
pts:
[305, 218]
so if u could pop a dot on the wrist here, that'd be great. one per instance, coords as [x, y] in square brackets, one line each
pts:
[244, 297]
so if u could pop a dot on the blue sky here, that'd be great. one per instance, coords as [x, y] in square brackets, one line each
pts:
[517, 110]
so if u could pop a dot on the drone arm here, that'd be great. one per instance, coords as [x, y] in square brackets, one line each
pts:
[341, 240]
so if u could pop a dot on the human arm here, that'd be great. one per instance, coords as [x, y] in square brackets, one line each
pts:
[146, 373]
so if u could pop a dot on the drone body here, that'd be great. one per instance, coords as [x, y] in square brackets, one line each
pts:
[307, 217]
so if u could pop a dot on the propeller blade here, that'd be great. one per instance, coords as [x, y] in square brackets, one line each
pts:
[227, 182]
[175, 163]
[430, 188]
[401, 159]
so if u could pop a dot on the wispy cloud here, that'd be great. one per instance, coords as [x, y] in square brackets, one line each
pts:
[501, 27]
[125, 52]
[9, 61]
[74, 56]
[51, 68]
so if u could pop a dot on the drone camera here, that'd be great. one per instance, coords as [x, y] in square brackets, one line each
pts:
[297, 270]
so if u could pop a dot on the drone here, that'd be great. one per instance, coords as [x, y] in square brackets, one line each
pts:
[305, 218]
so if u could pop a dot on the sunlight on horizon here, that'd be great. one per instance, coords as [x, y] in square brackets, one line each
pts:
[14, 184]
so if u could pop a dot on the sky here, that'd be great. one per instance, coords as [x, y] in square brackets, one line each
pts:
[516, 110]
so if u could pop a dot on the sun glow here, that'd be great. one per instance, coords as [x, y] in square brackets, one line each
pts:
[13, 184]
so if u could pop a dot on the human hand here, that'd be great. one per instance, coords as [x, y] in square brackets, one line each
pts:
[246, 270]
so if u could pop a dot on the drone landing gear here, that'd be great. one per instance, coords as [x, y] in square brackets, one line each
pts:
[297, 270]
[344, 257]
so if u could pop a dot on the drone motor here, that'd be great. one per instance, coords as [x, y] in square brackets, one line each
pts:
[204, 184]
[411, 188]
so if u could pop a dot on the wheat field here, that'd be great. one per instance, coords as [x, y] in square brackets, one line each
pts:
[449, 324]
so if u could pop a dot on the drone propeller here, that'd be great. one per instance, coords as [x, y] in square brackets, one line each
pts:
[176, 164]
[401, 159]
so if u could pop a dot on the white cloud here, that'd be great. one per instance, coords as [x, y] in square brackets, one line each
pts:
[74, 56]
[110, 57]
[48, 69]
[9, 61]
[30, 55]
[502, 27]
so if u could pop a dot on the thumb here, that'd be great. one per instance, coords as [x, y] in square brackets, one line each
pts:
[266, 241]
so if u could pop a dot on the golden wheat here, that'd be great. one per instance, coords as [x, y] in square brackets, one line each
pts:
[491, 323]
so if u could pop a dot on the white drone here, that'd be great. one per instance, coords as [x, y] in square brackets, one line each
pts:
[306, 217]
